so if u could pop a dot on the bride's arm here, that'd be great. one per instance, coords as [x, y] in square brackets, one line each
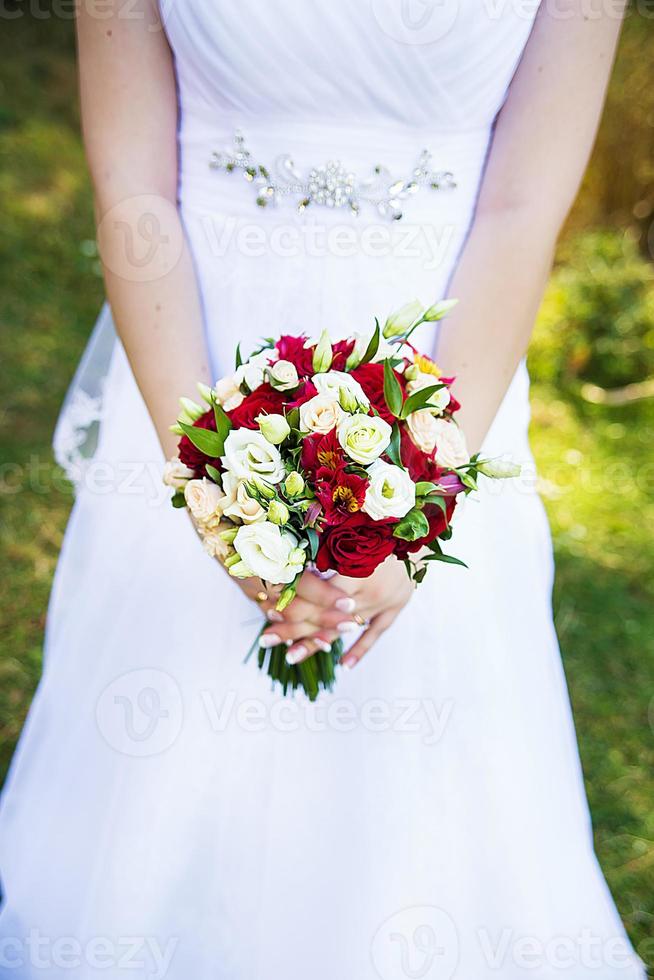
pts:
[542, 140]
[129, 120]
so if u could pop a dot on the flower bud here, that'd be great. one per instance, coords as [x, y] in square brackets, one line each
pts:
[239, 569]
[499, 469]
[297, 557]
[191, 411]
[403, 319]
[322, 354]
[228, 535]
[176, 429]
[347, 400]
[206, 393]
[412, 372]
[439, 310]
[232, 560]
[274, 428]
[278, 512]
[263, 488]
[287, 595]
[294, 484]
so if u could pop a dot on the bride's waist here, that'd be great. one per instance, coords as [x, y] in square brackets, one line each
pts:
[254, 167]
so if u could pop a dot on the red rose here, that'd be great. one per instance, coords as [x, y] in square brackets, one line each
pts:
[356, 547]
[292, 349]
[438, 521]
[454, 404]
[420, 465]
[264, 400]
[306, 391]
[371, 378]
[341, 494]
[190, 455]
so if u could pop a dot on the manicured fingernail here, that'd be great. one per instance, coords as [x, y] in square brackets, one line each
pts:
[295, 655]
[346, 604]
[346, 627]
[275, 617]
[269, 640]
[324, 645]
[348, 664]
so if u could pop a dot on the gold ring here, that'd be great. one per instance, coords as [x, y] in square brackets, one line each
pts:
[360, 620]
[261, 597]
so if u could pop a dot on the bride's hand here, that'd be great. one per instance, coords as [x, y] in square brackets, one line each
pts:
[377, 600]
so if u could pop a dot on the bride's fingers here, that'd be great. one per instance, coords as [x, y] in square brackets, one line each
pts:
[310, 645]
[368, 639]
[322, 592]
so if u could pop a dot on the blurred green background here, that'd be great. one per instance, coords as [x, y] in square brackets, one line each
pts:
[592, 363]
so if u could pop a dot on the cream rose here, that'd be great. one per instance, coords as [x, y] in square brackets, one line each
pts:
[228, 393]
[333, 383]
[451, 450]
[214, 545]
[321, 414]
[248, 454]
[364, 437]
[391, 492]
[423, 426]
[240, 505]
[253, 371]
[176, 474]
[269, 552]
[205, 500]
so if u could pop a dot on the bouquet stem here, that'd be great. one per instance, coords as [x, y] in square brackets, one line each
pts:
[316, 673]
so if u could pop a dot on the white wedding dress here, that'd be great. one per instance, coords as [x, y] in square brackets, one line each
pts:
[167, 813]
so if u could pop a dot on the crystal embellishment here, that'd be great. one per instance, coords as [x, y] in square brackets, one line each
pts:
[330, 185]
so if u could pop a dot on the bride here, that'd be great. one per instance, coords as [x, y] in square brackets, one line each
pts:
[166, 812]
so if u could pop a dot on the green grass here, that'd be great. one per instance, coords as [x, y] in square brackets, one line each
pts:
[598, 494]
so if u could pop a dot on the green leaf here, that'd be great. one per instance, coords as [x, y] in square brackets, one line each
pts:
[413, 526]
[293, 418]
[214, 474]
[435, 500]
[419, 399]
[373, 346]
[424, 488]
[223, 424]
[448, 559]
[314, 541]
[239, 359]
[178, 500]
[394, 452]
[420, 574]
[467, 480]
[392, 390]
[207, 441]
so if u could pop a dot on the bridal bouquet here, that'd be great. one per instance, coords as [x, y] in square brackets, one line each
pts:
[326, 456]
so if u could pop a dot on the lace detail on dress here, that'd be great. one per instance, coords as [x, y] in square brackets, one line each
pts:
[77, 432]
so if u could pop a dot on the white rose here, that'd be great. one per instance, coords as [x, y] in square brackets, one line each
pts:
[439, 400]
[239, 504]
[333, 382]
[423, 428]
[320, 414]
[205, 500]
[364, 437]
[227, 393]
[176, 474]
[269, 552]
[253, 371]
[248, 454]
[391, 493]
[283, 376]
[451, 450]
